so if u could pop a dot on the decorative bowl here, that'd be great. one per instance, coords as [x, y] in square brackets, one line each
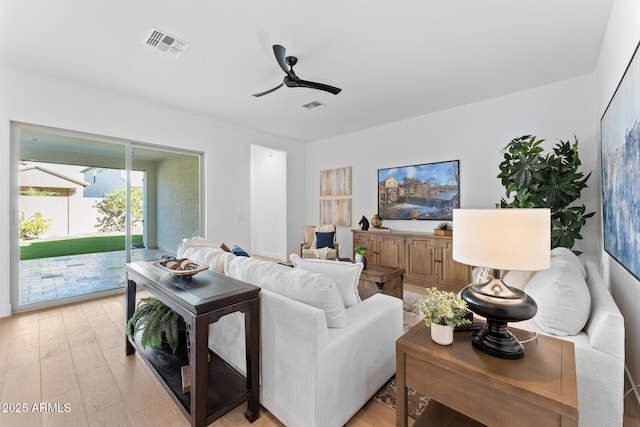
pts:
[195, 267]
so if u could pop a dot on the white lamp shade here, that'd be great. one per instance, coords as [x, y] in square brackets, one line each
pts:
[504, 239]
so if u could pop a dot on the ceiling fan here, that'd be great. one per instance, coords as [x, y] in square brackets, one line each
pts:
[291, 79]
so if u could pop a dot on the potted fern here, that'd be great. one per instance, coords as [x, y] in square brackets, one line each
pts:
[158, 322]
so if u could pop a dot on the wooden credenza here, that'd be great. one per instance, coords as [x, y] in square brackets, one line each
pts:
[427, 259]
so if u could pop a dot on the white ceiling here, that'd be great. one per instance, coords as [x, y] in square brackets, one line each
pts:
[393, 59]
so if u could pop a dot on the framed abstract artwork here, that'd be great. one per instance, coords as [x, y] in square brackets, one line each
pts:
[620, 145]
[336, 212]
[335, 182]
[427, 191]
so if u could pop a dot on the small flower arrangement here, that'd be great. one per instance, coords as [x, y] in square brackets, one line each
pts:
[445, 226]
[443, 308]
[361, 249]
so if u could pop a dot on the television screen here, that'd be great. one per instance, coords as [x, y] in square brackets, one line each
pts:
[428, 191]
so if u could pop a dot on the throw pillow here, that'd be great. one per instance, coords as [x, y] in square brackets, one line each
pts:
[568, 255]
[304, 286]
[345, 274]
[224, 247]
[238, 251]
[325, 239]
[563, 298]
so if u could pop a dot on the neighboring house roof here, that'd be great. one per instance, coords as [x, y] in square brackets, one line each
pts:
[42, 177]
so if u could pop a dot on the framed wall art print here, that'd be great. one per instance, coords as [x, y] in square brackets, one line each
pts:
[335, 182]
[620, 144]
[427, 191]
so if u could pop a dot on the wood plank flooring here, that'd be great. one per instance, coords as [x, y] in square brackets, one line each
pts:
[72, 359]
[69, 362]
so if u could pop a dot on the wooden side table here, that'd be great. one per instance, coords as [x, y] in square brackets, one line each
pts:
[537, 390]
[380, 279]
[216, 387]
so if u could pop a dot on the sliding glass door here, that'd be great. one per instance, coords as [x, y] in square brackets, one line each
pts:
[86, 205]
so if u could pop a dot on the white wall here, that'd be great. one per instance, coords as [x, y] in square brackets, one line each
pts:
[268, 202]
[475, 134]
[31, 98]
[621, 39]
[68, 215]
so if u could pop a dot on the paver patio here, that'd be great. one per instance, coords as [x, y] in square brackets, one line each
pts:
[48, 279]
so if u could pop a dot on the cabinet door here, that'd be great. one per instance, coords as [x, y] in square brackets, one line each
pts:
[365, 239]
[453, 275]
[420, 265]
[389, 251]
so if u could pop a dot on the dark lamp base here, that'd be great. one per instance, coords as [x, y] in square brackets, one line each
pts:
[496, 340]
[499, 304]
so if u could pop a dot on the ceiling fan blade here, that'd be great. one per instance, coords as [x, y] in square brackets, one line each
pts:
[320, 86]
[281, 54]
[268, 91]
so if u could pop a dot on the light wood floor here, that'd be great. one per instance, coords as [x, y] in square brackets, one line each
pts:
[74, 355]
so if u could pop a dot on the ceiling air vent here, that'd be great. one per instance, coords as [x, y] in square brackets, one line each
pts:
[313, 105]
[165, 42]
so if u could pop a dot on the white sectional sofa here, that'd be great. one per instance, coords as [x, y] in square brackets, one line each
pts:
[575, 304]
[324, 352]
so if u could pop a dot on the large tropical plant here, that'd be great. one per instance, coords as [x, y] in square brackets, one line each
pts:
[533, 178]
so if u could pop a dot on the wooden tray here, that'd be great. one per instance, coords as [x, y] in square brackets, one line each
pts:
[182, 272]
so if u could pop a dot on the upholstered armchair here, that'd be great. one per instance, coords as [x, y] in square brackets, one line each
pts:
[319, 242]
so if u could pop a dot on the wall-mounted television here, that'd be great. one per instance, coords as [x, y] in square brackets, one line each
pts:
[428, 191]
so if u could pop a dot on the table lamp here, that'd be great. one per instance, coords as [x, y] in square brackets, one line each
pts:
[501, 239]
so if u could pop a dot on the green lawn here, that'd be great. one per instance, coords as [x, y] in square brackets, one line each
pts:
[85, 245]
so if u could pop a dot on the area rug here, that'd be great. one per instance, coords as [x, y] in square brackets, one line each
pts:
[411, 312]
[416, 402]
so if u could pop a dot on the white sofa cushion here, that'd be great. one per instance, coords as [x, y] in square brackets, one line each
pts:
[606, 325]
[568, 255]
[205, 252]
[345, 274]
[310, 288]
[215, 258]
[563, 298]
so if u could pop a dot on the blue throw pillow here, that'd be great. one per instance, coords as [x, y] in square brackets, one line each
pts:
[237, 250]
[325, 240]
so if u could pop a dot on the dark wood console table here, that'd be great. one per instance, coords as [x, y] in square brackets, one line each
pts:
[216, 387]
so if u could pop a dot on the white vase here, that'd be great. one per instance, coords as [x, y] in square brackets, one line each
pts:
[362, 259]
[441, 334]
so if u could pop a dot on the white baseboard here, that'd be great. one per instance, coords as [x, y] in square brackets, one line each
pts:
[5, 310]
